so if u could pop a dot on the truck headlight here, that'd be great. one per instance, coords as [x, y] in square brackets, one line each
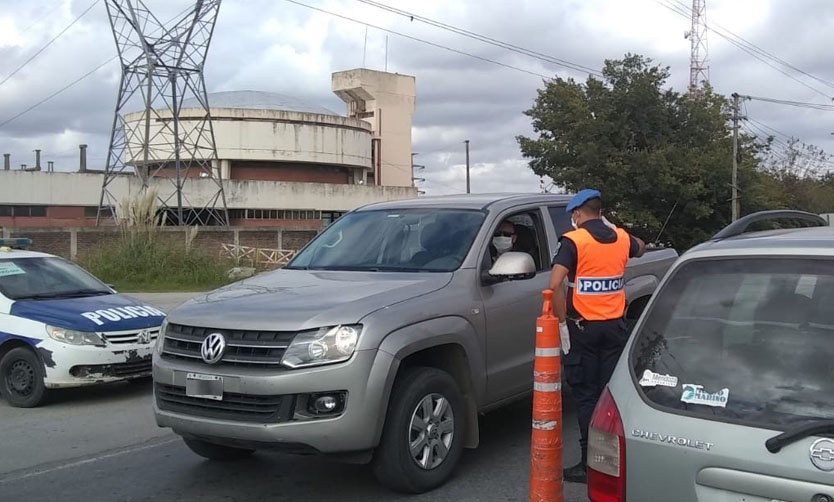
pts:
[332, 344]
[73, 337]
[160, 338]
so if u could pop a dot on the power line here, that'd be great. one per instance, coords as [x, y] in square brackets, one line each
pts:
[798, 104]
[768, 128]
[749, 48]
[73, 82]
[769, 54]
[59, 91]
[56, 37]
[416, 39]
[482, 38]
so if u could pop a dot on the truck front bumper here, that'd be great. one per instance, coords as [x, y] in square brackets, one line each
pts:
[262, 408]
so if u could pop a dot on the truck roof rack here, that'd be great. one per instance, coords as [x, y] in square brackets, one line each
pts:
[739, 226]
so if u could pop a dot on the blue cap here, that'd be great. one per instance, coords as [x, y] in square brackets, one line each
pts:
[582, 197]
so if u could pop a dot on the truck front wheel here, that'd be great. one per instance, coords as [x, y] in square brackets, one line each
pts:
[422, 439]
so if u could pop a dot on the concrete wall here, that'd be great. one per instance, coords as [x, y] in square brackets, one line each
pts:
[252, 134]
[386, 101]
[84, 189]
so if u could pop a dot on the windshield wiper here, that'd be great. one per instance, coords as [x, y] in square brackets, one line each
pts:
[776, 443]
[78, 293]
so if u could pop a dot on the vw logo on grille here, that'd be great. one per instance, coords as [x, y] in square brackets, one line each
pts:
[144, 337]
[822, 454]
[213, 348]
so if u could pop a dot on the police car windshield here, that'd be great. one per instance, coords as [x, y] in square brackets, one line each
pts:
[46, 278]
[401, 240]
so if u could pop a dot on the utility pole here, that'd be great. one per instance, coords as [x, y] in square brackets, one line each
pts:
[735, 208]
[467, 165]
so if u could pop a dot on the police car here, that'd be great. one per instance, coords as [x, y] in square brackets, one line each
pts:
[62, 327]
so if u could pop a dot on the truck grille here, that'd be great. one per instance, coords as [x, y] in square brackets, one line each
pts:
[243, 348]
[238, 407]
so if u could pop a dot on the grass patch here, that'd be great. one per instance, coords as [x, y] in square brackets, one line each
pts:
[142, 262]
[155, 267]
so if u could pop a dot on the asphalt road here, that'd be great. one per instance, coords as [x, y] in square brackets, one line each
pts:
[101, 444]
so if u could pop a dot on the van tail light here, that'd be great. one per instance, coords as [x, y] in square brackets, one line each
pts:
[606, 452]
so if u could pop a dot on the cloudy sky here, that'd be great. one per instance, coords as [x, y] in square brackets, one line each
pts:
[284, 46]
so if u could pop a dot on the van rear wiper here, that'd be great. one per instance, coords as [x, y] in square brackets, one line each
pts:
[776, 443]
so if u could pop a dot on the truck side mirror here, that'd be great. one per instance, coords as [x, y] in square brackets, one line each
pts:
[511, 266]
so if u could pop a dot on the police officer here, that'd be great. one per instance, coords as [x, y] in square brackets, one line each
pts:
[593, 332]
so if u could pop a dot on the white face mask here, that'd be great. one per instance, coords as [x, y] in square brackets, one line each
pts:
[502, 244]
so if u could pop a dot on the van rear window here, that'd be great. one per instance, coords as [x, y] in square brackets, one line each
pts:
[748, 340]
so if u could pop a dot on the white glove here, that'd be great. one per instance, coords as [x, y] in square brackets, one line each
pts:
[564, 337]
[608, 223]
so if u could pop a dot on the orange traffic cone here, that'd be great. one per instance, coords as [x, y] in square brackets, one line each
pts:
[546, 445]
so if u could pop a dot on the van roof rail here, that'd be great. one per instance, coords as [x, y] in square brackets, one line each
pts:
[739, 226]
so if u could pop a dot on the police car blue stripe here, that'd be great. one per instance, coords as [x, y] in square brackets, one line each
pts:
[5, 337]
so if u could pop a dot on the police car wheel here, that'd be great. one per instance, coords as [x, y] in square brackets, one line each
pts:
[21, 378]
[422, 439]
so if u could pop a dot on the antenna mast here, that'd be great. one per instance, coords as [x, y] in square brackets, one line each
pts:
[698, 59]
[162, 66]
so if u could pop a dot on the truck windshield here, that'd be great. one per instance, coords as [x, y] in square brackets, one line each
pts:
[747, 340]
[46, 278]
[402, 240]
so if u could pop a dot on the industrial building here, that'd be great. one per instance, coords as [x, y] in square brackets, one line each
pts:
[283, 162]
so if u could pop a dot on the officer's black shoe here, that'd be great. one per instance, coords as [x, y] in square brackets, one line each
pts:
[576, 474]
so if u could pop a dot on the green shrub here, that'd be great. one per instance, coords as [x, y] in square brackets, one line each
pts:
[156, 266]
[140, 261]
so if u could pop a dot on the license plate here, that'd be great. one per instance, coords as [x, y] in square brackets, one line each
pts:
[204, 386]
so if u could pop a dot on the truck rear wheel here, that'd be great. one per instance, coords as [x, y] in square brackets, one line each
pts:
[216, 451]
[21, 378]
[423, 435]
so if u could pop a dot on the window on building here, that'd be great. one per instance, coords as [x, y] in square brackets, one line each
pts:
[277, 214]
[92, 212]
[22, 211]
[328, 217]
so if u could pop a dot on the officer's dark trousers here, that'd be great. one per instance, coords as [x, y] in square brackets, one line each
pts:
[595, 347]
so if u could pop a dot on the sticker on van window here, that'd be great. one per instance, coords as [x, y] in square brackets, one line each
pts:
[652, 379]
[694, 394]
[10, 268]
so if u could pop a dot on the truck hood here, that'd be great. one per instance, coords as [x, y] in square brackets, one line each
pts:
[105, 313]
[291, 300]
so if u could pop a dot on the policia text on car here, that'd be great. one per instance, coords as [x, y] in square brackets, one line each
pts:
[593, 257]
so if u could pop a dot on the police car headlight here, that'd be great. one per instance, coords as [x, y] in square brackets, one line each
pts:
[323, 346]
[160, 339]
[73, 337]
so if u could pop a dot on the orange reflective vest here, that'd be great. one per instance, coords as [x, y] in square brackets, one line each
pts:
[598, 288]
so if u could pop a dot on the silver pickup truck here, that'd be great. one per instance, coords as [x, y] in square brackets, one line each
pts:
[380, 342]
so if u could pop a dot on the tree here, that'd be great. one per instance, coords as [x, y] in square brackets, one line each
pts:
[662, 160]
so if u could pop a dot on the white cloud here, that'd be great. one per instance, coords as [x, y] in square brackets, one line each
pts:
[279, 46]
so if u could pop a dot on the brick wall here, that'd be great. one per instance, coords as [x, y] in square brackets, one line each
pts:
[71, 242]
[270, 171]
